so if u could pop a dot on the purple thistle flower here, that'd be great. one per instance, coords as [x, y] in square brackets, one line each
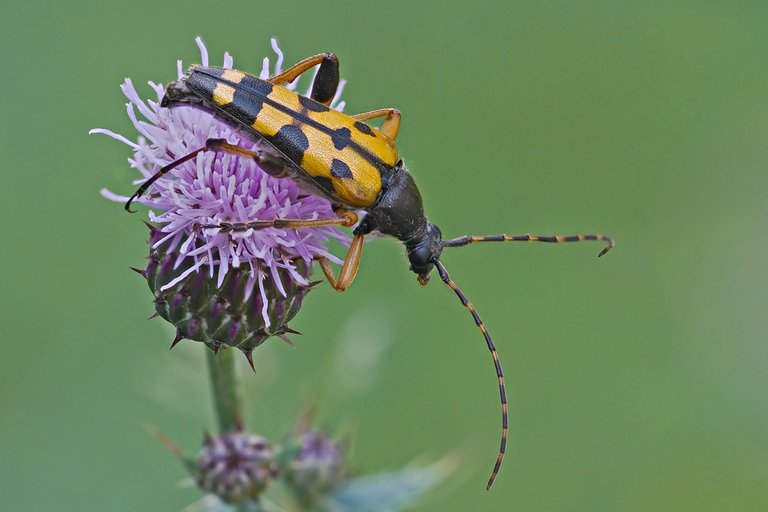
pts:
[317, 466]
[235, 466]
[217, 187]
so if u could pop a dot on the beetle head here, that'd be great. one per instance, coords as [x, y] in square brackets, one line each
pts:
[425, 252]
[176, 92]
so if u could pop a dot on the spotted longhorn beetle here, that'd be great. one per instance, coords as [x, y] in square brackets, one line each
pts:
[337, 156]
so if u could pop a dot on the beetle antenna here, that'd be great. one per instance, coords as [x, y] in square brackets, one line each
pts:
[554, 239]
[499, 373]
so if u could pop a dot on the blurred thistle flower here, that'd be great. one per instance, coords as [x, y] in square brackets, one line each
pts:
[316, 465]
[237, 469]
[236, 466]
[225, 289]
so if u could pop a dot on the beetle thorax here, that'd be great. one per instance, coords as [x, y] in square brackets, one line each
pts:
[399, 212]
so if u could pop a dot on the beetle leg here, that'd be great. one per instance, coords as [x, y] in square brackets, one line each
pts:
[391, 124]
[352, 260]
[348, 268]
[326, 81]
[271, 164]
[345, 218]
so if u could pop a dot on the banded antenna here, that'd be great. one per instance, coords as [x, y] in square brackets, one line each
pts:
[554, 239]
[466, 240]
[499, 372]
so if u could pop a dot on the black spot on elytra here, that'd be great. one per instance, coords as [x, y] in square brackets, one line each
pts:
[341, 138]
[256, 85]
[214, 72]
[361, 126]
[324, 183]
[201, 84]
[292, 142]
[340, 170]
[244, 107]
[312, 105]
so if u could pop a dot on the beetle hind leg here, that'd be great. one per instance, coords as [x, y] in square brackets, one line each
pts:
[272, 164]
[345, 218]
[326, 81]
[269, 163]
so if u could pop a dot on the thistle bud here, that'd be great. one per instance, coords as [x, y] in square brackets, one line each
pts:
[235, 466]
[224, 315]
[316, 466]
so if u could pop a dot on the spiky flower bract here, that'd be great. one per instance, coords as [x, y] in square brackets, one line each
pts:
[221, 288]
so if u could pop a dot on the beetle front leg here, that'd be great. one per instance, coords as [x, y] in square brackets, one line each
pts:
[352, 260]
[326, 81]
[349, 268]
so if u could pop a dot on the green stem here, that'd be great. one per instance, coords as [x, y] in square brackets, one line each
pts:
[226, 400]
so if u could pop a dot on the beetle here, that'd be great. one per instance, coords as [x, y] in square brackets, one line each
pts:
[340, 157]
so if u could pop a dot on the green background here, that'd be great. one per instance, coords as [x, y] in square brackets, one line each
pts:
[636, 382]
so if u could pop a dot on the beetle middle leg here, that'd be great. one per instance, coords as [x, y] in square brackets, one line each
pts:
[344, 218]
[326, 81]
[269, 163]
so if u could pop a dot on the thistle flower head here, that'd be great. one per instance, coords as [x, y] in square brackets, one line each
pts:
[235, 466]
[209, 189]
[317, 465]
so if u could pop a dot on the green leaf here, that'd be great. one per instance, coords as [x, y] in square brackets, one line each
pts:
[386, 492]
[211, 503]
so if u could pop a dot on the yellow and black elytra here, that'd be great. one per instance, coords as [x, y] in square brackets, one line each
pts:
[337, 156]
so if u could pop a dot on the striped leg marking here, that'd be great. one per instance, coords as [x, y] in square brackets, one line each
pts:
[499, 373]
